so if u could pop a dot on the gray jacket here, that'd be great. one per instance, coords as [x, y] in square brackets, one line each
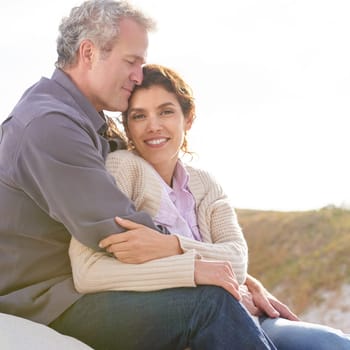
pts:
[53, 184]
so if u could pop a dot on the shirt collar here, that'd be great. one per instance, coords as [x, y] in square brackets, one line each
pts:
[180, 178]
[181, 175]
[97, 118]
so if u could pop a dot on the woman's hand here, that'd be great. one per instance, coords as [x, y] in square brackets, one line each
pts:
[140, 243]
[217, 273]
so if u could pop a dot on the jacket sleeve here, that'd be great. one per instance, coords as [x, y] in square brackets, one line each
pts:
[221, 233]
[61, 168]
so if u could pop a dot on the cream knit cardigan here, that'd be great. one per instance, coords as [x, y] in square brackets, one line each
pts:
[222, 236]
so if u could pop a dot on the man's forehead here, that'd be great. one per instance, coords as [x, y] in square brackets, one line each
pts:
[133, 40]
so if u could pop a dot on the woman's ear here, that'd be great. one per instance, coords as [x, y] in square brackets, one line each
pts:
[189, 121]
[130, 141]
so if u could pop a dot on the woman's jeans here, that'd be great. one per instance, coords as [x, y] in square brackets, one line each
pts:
[202, 318]
[291, 335]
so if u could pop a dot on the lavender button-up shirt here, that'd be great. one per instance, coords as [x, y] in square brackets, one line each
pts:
[177, 207]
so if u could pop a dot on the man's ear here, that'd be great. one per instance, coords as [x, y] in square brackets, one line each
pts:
[87, 52]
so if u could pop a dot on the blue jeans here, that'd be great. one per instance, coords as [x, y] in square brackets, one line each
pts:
[291, 335]
[203, 318]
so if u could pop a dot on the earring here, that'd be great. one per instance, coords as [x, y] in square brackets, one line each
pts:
[131, 145]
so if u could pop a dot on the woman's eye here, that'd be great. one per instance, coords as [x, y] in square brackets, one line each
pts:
[167, 112]
[137, 116]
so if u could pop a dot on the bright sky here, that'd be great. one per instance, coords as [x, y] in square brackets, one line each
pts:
[271, 80]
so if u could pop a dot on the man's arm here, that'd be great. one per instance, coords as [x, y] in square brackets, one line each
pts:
[259, 301]
[63, 171]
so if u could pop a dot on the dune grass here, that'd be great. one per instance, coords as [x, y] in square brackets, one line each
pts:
[298, 254]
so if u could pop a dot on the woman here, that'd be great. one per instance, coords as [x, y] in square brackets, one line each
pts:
[183, 199]
[206, 224]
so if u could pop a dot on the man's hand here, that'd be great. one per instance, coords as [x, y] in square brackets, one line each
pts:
[247, 301]
[265, 302]
[140, 243]
[217, 273]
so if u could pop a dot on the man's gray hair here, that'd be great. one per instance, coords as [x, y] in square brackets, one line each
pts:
[98, 21]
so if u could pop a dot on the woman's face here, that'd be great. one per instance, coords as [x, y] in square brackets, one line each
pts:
[157, 126]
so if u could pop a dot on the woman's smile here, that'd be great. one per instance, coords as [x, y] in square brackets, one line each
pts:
[157, 141]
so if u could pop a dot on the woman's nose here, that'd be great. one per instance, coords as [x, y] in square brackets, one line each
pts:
[154, 123]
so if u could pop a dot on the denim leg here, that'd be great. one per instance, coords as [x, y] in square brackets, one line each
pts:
[291, 335]
[221, 322]
[204, 318]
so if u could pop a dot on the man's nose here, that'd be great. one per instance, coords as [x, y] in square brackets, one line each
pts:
[137, 76]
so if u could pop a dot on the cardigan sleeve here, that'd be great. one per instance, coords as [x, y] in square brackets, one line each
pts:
[98, 271]
[95, 271]
[221, 233]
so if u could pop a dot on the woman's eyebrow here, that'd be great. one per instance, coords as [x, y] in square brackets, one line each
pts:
[140, 109]
[136, 109]
[166, 104]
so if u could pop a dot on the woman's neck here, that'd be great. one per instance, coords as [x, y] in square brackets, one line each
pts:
[166, 172]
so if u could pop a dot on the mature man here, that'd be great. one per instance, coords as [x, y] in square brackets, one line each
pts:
[53, 184]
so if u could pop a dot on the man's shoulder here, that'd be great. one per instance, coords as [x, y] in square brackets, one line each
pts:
[44, 98]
